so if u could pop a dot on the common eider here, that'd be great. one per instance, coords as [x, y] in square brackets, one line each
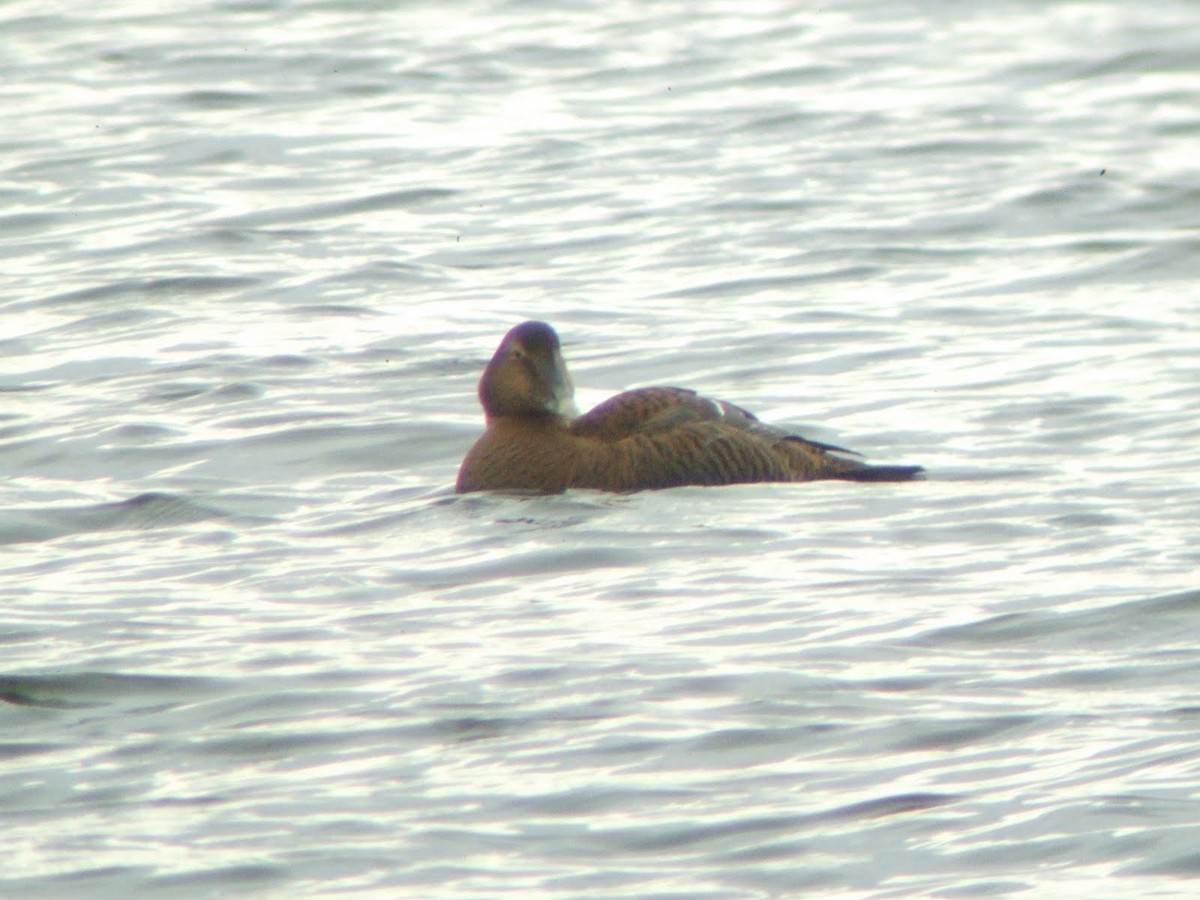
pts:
[644, 439]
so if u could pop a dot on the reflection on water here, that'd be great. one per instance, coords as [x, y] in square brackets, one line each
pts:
[253, 642]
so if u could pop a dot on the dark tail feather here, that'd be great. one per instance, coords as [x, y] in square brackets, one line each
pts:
[865, 472]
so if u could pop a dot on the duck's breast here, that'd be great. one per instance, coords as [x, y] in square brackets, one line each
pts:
[514, 455]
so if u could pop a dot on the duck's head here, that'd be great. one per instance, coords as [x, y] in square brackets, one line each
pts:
[527, 377]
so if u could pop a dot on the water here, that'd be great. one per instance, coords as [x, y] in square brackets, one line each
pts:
[254, 259]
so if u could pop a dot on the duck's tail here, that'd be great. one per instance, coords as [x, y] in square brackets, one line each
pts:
[811, 460]
[864, 472]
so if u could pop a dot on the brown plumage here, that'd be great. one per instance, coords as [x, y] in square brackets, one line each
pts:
[645, 439]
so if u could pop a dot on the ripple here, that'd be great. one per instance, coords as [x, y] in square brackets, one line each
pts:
[253, 640]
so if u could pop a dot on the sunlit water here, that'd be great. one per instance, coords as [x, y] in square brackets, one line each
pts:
[254, 259]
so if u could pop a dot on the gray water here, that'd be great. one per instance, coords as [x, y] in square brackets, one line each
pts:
[255, 256]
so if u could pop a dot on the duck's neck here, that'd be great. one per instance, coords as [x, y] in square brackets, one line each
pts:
[543, 422]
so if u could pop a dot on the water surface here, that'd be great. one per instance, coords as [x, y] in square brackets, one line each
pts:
[255, 258]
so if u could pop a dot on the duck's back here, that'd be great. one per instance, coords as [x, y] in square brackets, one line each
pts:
[654, 409]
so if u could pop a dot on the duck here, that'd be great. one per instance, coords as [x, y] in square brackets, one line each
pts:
[644, 439]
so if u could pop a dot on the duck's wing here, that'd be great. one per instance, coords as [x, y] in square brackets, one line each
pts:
[666, 437]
